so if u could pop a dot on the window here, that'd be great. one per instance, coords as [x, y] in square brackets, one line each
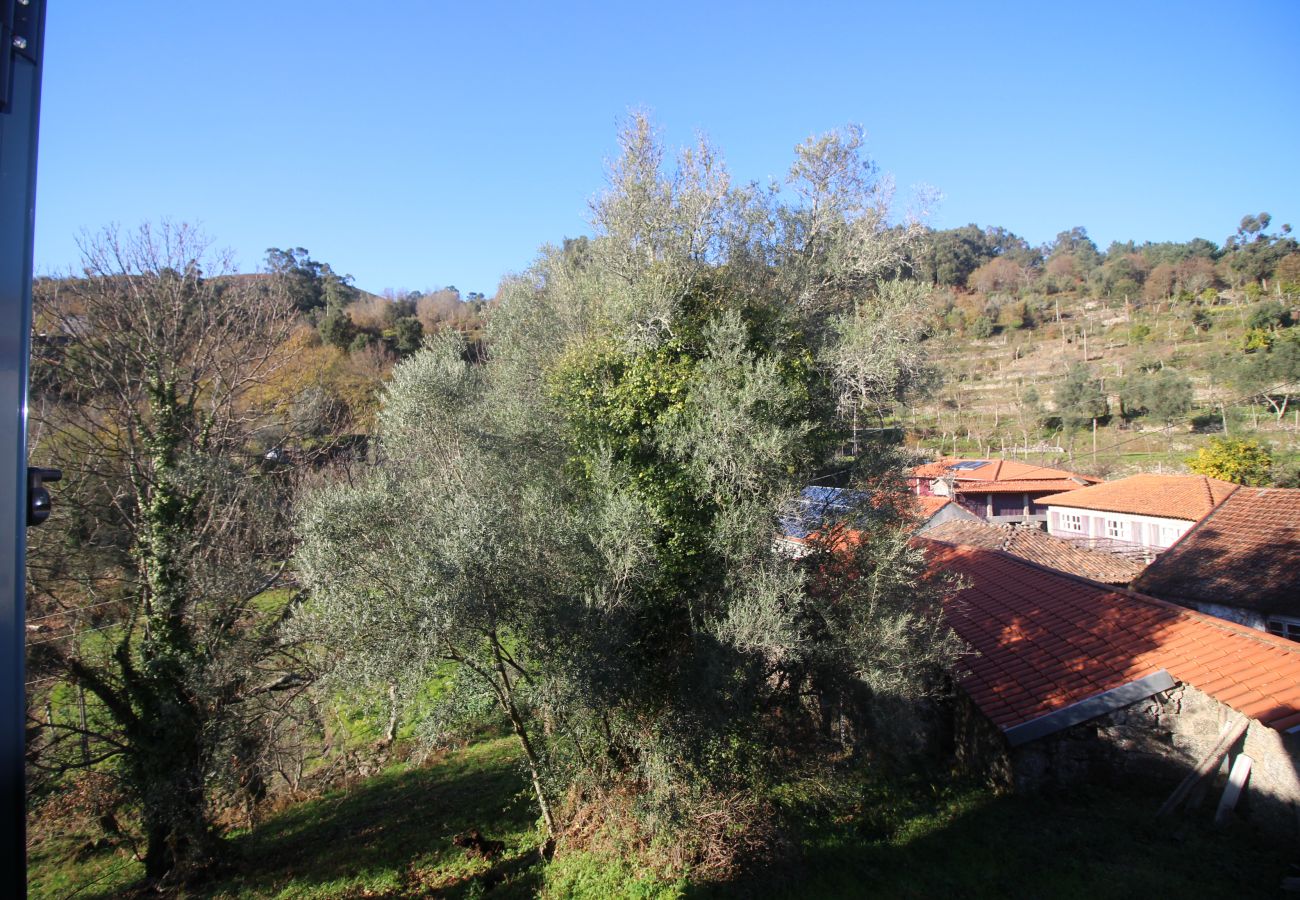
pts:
[1114, 528]
[1168, 534]
[1071, 522]
[1284, 627]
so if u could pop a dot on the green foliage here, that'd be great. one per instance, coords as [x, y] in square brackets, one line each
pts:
[583, 524]
[643, 413]
[950, 257]
[1256, 339]
[406, 335]
[981, 327]
[1165, 395]
[1271, 372]
[336, 328]
[1252, 254]
[1079, 398]
[1235, 460]
[1139, 333]
[311, 284]
[361, 340]
[1269, 316]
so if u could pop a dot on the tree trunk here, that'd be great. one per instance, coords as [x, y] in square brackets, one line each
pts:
[505, 693]
[390, 733]
[170, 768]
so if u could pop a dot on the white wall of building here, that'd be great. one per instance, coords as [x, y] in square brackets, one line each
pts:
[1147, 531]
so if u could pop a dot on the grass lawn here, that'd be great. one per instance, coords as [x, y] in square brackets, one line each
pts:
[1099, 843]
[390, 836]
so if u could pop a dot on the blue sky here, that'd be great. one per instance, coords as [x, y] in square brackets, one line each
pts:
[416, 145]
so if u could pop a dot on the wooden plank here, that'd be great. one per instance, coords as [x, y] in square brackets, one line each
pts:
[1231, 734]
[1232, 791]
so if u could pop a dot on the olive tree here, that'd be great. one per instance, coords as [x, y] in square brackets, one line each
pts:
[584, 523]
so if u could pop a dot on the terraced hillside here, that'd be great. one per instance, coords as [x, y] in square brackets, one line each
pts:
[997, 394]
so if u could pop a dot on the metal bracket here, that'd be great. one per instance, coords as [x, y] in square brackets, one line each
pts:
[38, 498]
[18, 37]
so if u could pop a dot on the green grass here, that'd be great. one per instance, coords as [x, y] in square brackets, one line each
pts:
[594, 876]
[61, 865]
[390, 836]
[1101, 843]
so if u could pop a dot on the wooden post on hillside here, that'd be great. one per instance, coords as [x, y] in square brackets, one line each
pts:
[81, 719]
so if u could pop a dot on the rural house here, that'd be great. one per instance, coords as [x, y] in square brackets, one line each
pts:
[1241, 562]
[1035, 545]
[1142, 514]
[996, 490]
[1074, 680]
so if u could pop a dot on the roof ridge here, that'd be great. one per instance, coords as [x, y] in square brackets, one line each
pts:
[1008, 540]
[1227, 625]
[1168, 552]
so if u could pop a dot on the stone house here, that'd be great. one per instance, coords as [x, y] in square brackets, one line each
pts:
[1073, 680]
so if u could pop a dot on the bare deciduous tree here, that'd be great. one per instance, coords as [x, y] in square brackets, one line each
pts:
[169, 521]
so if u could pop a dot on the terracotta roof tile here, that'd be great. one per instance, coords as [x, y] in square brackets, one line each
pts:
[1040, 547]
[931, 505]
[1189, 497]
[1246, 553]
[995, 470]
[1028, 485]
[1044, 640]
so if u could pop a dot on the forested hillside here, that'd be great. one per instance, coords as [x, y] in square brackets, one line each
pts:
[1167, 344]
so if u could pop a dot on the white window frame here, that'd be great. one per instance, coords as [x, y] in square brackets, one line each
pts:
[1072, 522]
[1115, 529]
[1284, 626]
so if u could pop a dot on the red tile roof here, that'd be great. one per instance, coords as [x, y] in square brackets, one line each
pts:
[1188, 497]
[1246, 553]
[1025, 476]
[1046, 640]
[931, 505]
[1027, 485]
[1038, 546]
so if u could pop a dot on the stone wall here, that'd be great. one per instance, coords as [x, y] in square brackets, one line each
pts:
[1158, 739]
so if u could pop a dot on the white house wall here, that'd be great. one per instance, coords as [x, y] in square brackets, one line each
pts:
[1147, 531]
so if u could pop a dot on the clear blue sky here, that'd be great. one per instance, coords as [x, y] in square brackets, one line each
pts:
[416, 144]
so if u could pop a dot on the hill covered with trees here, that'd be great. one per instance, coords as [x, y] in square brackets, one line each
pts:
[1160, 345]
